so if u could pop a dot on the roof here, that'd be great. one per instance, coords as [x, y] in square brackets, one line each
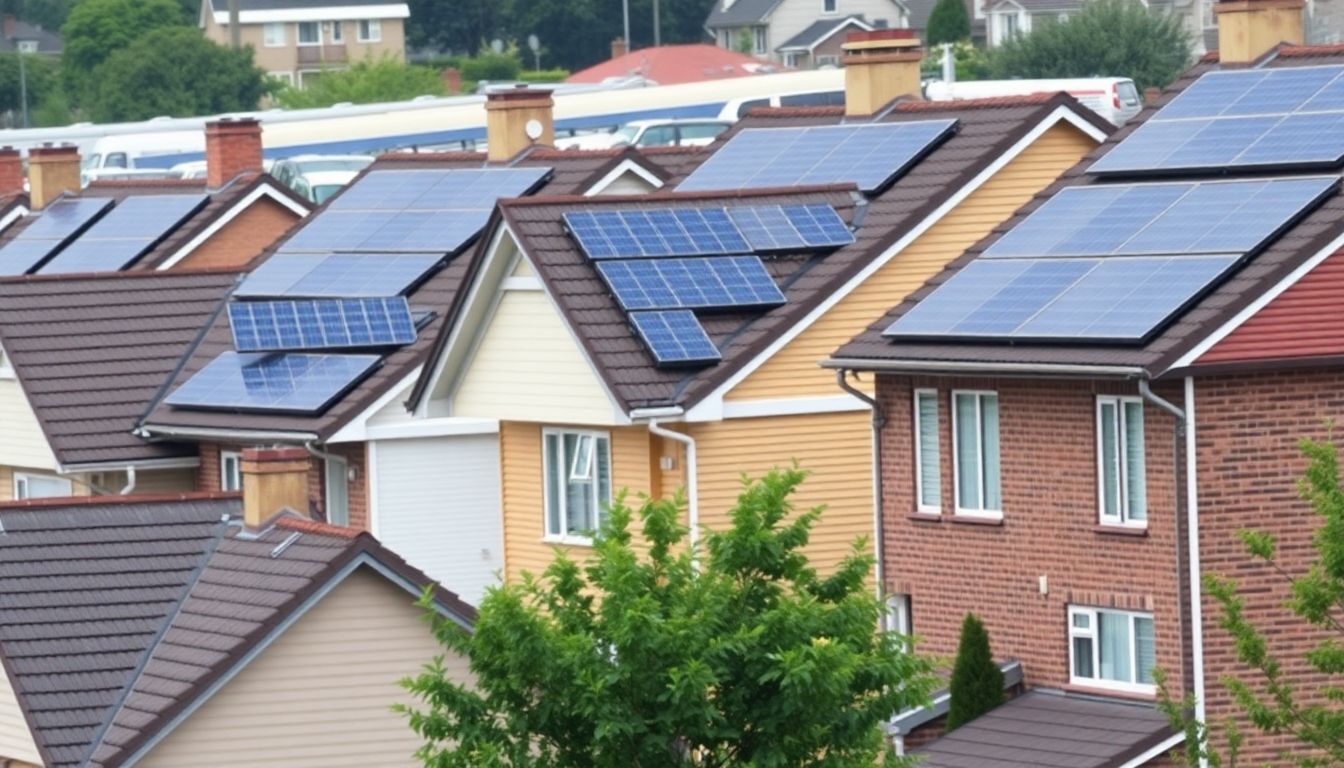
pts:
[739, 12]
[116, 614]
[284, 5]
[92, 351]
[16, 29]
[820, 31]
[673, 64]
[1043, 728]
[1042, 6]
[1156, 356]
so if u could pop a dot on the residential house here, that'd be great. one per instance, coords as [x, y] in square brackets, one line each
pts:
[763, 27]
[1006, 19]
[1066, 452]
[205, 630]
[294, 41]
[26, 37]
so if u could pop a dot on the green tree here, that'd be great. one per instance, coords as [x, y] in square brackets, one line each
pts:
[387, 79]
[948, 22]
[977, 682]
[1106, 38]
[43, 82]
[174, 71]
[49, 14]
[97, 29]
[639, 657]
[462, 26]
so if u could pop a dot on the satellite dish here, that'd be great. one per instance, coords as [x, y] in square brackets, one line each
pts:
[533, 44]
[497, 45]
[533, 129]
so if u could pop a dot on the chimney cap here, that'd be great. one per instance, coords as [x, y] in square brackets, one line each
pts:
[49, 148]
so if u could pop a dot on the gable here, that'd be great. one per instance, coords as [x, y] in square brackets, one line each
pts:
[16, 741]
[239, 240]
[25, 445]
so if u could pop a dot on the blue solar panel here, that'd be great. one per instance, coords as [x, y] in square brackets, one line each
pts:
[275, 326]
[675, 338]
[388, 231]
[722, 282]
[791, 227]
[428, 189]
[47, 231]
[1136, 219]
[341, 274]
[1253, 92]
[125, 233]
[289, 382]
[869, 155]
[655, 232]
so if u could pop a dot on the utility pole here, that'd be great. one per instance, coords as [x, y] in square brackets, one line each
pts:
[235, 28]
[625, 10]
[657, 30]
[23, 88]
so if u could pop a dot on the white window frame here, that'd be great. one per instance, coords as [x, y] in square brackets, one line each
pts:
[27, 46]
[369, 31]
[1124, 506]
[274, 35]
[224, 475]
[758, 41]
[23, 483]
[298, 33]
[935, 509]
[1092, 633]
[899, 612]
[337, 32]
[341, 466]
[983, 513]
[563, 536]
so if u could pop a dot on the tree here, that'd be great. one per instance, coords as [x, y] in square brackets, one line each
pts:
[174, 71]
[42, 83]
[639, 657]
[461, 27]
[977, 682]
[97, 29]
[1106, 37]
[948, 22]
[387, 79]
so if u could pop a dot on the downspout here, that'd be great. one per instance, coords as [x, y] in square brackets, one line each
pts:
[692, 487]
[130, 481]
[879, 420]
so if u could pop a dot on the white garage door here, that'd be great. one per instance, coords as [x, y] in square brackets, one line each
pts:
[437, 505]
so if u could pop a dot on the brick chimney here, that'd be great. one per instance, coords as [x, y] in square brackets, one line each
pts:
[52, 171]
[11, 172]
[274, 479]
[231, 147]
[1248, 29]
[879, 66]
[619, 48]
[508, 114]
[452, 80]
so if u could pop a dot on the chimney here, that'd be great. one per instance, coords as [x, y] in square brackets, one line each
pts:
[274, 479]
[11, 26]
[452, 80]
[1248, 29]
[879, 66]
[619, 48]
[517, 118]
[11, 172]
[231, 147]
[52, 171]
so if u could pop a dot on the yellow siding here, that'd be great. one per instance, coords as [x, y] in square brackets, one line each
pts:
[836, 448]
[321, 694]
[22, 443]
[793, 371]
[16, 741]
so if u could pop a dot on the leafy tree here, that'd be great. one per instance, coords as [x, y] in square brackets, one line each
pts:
[43, 82]
[462, 26]
[948, 22]
[387, 79]
[49, 14]
[174, 71]
[971, 63]
[97, 29]
[638, 657]
[1106, 37]
[977, 682]
[488, 65]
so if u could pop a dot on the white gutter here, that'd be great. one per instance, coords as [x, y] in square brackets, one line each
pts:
[667, 412]
[130, 482]
[182, 462]
[692, 488]
[956, 366]
[879, 420]
[234, 435]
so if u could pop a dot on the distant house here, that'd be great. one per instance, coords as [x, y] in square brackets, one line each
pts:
[768, 27]
[295, 40]
[672, 64]
[1005, 19]
[24, 37]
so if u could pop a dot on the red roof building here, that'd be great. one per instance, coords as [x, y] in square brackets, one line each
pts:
[672, 64]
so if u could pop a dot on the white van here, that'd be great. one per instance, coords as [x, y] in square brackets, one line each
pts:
[736, 108]
[123, 155]
[1114, 98]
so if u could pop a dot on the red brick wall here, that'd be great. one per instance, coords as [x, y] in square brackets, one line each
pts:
[207, 472]
[1048, 471]
[243, 239]
[207, 479]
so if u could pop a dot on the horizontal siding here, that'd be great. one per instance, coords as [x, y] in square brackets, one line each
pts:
[16, 741]
[794, 372]
[320, 695]
[22, 443]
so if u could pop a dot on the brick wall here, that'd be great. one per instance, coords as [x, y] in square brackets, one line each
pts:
[207, 472]
[243, 238]
[207, 479]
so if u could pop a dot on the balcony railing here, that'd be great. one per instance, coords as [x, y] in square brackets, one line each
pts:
[322, 54]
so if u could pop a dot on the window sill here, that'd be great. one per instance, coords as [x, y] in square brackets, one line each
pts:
[1121, 530]
[568, 541]
[925, 517]
[965, 519]
[1135, 693]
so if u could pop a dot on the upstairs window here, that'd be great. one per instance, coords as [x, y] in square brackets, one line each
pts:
[758, 38]
[1121, 482]
[310, 33]
[928, 461]
[338, 491]
[370, 31]
[975, 453]
[1111, 649]
[28, 486]
[337, 32]
[577, 467]
[829, 6]
[273, 35]
[230, 471]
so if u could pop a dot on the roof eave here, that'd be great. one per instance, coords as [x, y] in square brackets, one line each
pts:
[914, 366]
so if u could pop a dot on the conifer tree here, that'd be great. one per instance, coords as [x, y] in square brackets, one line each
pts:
[977, 682]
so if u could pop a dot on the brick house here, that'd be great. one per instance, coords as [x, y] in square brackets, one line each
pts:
[1067, 469]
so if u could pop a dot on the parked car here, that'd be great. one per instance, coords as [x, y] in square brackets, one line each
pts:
[652, 133]
[289, 170]
[317, 186]
[1114, 98]
[736, 108]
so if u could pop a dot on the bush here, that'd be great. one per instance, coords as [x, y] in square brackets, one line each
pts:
[544, 75]
[948, 22]
[365, 82]
[977, 682]
[488, 65]
[971, 63]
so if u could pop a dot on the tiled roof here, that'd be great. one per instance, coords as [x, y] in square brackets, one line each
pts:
[1307, 237]
[741, 12]
[92, 351]
[115, 614]
[673, 64]
[818, 31]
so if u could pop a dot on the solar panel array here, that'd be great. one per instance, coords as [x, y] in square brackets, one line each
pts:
[289, 382]
[661, 232]
[125, 233]
[870, 155]
[276, 326]
[675, 338]
[724, 282]
[791, 227]
[316, 275]
[50, 229]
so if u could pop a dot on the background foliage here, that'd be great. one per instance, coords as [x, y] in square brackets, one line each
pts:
[387, 79]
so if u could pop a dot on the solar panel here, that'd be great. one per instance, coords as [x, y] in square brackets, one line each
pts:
[675, 338]
[341, 274]
[791, 227]
[289, 382]
[655, 232]
[430, 189]
[48, 231]
[1253, 92]
[701, 283]
[405, 231]
[1206, 217]
[273, 326]
[869, 155]
[124, 233]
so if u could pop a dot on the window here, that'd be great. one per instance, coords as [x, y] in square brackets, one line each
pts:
[898, 615]
[40, 486]
[699, 131]
[828, 61]
[577, 466]
[975, 453]
[337, 32]
[759, 39]
[27, 46]
[230, 471]
[658, 136]
[116, 160]
[370, 31]
[1121, 482]
[829, 6]
[273, 35]
[1007, 25]
[1111, 649]
[338, 492]
[310, 33]
[928, 478]
[791, 60]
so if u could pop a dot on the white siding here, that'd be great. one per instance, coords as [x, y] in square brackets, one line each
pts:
[22, 443]
[628, 184]
[437, 504]
[16, 741]
[793, 16]
[320, 695]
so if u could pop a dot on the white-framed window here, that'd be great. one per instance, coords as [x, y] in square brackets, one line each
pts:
[370, 30]
[27, 486]
[337, 32]
[898, 614]
[310, 33]
[829, 6]
[975, 453]
[337, 491]
[27, 46]
[1111, 649]
[828, 61]
[6, 369]
[577, 468]
[758, 40]
[273, 35]
[928, 459]
[1007, 25]
[790, 59]
[1122, 494]
[230, 471]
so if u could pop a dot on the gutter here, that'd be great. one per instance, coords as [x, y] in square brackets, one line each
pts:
[692, 488]
[879, 420]
[130, 482]
[182, 462]
[231, 435]
[955, 366]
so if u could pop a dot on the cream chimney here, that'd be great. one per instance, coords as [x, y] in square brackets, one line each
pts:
[1248, 29]
[274, 479]
[52, 171]
[879, 66]
[517, 118]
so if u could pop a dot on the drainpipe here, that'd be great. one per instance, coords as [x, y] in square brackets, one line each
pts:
[879, 420]
[130, 481]
[692, 488]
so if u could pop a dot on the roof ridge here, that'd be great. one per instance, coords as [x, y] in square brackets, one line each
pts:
[673, 196]
[65, 502]
[306, 525]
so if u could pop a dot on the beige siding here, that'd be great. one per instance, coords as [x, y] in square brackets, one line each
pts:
[793, 371]
[793, 16]
[156, 481]
[22, 443]
[16, 741]
[320, 695]
[628, 184]
[285, 58]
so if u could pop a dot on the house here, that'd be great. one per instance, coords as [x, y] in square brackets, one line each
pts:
[672, 64]
[21, 36]
[762, 27]
[207, 629]
[1066, 452]
[1005, 19]
[294, 41]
